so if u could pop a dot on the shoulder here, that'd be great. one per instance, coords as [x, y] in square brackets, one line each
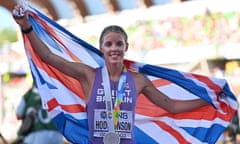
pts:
[138, 76]
[141, 81]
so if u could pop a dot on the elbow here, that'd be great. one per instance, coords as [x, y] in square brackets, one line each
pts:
[173, 111]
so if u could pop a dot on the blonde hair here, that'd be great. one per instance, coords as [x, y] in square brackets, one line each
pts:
[113, 28]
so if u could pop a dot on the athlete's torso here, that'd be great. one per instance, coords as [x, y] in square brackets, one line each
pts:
[96, 110]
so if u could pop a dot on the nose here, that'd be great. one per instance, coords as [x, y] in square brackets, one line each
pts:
[114, 47]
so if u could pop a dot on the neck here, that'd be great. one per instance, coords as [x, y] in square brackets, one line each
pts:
[114, 72]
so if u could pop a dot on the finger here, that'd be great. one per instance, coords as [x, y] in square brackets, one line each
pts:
[17, 7]
[18, 12]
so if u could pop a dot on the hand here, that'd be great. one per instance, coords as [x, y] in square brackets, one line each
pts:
[20, 15]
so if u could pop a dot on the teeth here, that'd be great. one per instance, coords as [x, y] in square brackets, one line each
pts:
[115, 54]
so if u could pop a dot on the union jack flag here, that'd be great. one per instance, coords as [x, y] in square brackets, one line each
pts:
[62, 95]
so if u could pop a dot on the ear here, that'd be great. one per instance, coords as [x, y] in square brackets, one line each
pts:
[126, 47]
[100, 48]
[101, 51]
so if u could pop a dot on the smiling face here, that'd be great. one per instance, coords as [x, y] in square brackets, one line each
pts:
[113, 45]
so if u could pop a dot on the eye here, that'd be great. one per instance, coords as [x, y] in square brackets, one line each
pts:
[119, 43]
[107, 44]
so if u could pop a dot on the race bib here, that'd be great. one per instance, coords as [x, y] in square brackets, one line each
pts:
[124, 126]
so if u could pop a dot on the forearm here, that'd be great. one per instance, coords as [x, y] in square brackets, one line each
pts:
[42, 50]
[182, 106]
[171, 105]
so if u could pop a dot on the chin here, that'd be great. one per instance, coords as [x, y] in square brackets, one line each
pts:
[115, 61]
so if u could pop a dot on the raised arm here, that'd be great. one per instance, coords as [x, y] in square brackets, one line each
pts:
[146, 87]
[76, 70]
[81, 72]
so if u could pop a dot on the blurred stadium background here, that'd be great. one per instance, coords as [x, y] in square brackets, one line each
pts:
[200, 36]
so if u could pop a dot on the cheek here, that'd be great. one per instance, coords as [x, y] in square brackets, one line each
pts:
[126, 48]
[103, 52]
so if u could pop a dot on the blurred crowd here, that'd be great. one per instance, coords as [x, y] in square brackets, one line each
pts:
[209, 29]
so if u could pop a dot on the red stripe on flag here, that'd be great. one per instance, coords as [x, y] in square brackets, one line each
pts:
[73, 108]
[52, 104]
[172, 132]
[160, 82]
[146, 107]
